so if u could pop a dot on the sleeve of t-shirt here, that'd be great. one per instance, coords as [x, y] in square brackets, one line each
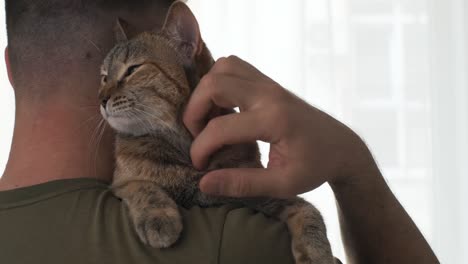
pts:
[250, 237]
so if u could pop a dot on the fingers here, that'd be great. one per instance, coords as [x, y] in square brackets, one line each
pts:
[227, 130]
[243, 183]
[214, 91]
[235, 66]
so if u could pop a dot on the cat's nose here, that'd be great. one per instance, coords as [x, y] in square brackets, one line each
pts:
[104, 101]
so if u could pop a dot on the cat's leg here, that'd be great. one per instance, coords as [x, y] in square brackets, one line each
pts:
[155, 215]
[305, 223]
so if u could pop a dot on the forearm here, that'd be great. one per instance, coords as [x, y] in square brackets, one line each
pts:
[375, 227]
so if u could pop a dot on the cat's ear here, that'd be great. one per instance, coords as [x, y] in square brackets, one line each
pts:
[181, 26]
[123, 31]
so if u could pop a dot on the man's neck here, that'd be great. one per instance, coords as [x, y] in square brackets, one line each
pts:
[61, 142]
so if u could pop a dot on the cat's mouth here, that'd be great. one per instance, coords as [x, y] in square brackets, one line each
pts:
[122, 122]
[132, 117]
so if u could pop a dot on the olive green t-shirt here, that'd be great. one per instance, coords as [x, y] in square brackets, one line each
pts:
[81, 221]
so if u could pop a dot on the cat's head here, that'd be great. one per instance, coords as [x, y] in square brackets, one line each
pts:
[147, 78]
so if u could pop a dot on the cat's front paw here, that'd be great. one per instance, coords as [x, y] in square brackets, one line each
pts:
[310, 244]
[306, 252]
[159, 228]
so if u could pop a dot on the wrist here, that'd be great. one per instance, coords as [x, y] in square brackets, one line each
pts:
[358, 167]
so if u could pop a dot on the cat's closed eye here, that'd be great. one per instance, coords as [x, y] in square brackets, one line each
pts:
[132, 69]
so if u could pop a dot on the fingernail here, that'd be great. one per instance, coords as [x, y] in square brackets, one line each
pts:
[198, 167]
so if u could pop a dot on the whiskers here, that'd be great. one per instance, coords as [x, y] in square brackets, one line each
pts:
[94, 144]
[92, 43]
[89, 107]
[143, 124]
[164, 129]
[148, 116]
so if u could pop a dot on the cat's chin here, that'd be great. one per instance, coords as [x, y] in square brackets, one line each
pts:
[127, 126]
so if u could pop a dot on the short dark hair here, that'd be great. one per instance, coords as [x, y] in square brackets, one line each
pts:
[45, 33]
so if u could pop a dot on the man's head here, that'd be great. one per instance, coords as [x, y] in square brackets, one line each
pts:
[55, 47]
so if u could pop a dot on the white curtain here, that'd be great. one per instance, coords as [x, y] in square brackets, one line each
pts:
[393, 70]
[449, 98]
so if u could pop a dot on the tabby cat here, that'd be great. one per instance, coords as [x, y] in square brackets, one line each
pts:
[147, 80]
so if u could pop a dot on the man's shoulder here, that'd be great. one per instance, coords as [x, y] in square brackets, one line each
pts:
[231, 234]
[88, 220]
[248, 236]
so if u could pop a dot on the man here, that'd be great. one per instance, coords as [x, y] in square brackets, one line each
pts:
[54, 203]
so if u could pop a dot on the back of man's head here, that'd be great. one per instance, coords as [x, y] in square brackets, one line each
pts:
[54, 44]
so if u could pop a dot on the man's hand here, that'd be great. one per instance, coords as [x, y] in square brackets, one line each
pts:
[307, 146]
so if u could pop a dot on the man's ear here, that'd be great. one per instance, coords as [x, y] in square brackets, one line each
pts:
[8, 66]
[123, 31]
[182, 28]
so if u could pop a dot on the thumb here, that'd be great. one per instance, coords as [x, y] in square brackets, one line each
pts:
[244, 182]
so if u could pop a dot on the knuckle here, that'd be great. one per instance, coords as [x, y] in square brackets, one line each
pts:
[221, 60]
[207, 81]
[233, 58]
[224, 64]
[241, 187]
[276, 118]
[272, 94]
